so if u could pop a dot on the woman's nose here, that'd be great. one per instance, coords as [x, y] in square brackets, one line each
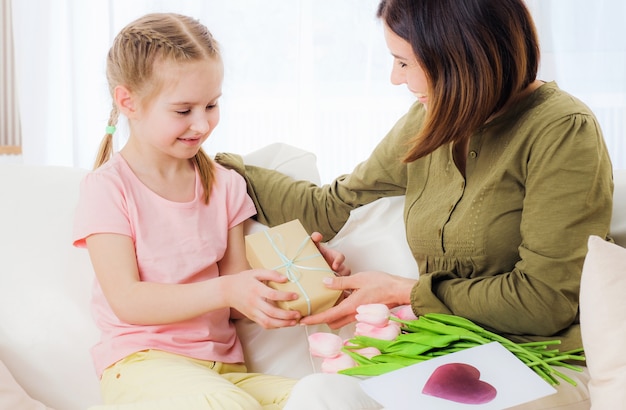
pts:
[397, 77]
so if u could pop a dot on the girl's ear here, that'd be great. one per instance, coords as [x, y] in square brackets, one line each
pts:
[124, 100]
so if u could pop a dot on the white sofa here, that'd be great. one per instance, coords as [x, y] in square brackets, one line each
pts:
[46, 329]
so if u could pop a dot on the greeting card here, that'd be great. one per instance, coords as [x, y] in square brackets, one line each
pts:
[482, 377]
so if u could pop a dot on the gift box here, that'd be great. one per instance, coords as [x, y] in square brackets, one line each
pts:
[289, 249]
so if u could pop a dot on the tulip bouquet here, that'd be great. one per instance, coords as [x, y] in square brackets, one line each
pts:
[384, 341]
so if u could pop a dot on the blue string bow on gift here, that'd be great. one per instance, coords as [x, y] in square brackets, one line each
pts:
[292, 269]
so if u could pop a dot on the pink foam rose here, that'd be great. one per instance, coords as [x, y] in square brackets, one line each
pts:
[339, 362]
[389, 332]
[376, 314]
[326, 345]
[368, 352]
[404, 312]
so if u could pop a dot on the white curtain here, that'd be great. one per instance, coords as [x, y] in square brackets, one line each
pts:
[583, 47]
[10, 133]
[311, 73]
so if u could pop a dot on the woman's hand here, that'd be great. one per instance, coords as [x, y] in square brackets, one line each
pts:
[335, 259]
[367, 287]
[249, 295]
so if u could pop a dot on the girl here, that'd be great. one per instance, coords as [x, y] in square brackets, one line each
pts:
[163, 225]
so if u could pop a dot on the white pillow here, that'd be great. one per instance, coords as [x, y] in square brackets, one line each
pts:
[374, 238]
[603, 322]
[46, 328]
[289, 160]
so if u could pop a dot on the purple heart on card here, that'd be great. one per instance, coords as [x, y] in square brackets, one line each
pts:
[459, 382]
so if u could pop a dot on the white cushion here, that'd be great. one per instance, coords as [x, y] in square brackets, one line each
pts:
[374, 238]
[603, 322]
[46, 328]
[289, 160]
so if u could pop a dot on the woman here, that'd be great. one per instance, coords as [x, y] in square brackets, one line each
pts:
[505, 176]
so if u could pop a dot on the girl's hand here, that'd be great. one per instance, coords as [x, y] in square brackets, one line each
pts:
[249, 295]
[366, 287]
[334, 258]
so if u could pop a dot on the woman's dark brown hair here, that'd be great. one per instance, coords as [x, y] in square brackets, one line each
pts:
[476, 54]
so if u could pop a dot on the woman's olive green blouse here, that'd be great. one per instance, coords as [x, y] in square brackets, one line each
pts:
[502, 246]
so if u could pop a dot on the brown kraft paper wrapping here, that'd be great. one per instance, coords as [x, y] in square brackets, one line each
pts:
[288, 249]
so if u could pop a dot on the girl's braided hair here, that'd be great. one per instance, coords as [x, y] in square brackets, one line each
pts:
[132, 60]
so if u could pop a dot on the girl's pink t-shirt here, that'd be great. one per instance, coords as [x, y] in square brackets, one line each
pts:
[175, 243]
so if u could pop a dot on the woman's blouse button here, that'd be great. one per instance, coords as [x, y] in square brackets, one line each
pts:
[473, 154]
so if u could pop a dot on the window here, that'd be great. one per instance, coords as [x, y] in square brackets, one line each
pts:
[310, 73]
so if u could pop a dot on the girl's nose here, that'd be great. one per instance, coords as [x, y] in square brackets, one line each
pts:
[200, 125]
